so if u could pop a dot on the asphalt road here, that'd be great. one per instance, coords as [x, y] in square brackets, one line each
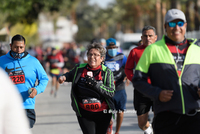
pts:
[55, 115]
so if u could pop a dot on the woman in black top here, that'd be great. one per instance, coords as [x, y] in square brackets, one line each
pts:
[92, 91]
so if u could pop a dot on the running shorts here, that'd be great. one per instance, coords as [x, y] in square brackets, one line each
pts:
[120, 99]
[142, 104]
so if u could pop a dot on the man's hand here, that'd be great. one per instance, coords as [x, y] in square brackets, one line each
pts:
[61, 79]
[127, 81]
[198, 91]
[33, 93]
[165, 95]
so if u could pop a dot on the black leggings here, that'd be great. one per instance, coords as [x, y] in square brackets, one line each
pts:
[94, 122]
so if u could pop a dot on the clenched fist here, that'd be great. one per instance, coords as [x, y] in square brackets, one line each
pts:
[33, 93]
[62, 79]
[165, 95]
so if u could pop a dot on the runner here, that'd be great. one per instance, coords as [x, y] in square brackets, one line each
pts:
[56, 62]
[26, 73]
[92, 91]
[116, 62]
[142, 104]
[173, 66]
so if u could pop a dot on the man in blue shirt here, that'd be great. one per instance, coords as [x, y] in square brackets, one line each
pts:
[27, 74]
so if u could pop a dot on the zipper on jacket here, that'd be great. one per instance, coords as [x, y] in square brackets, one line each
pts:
[179, 79]
[182, 98]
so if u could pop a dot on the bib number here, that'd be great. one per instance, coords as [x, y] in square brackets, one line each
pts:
[92, 103]
[17, 77]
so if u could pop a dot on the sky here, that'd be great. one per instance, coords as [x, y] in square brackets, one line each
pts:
[101, 3]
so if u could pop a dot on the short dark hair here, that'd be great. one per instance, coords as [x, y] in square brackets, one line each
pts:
[149, 28]
[18, 37]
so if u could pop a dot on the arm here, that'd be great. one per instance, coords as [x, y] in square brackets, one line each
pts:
[126, 80]
[140, 83]
[68, 76]
[130, 65]
[123, 66]
[139, 80]
[42, 78]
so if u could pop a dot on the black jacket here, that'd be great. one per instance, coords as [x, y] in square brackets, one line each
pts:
[105, 88]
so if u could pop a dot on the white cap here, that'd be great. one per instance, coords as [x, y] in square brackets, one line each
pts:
[174, 14]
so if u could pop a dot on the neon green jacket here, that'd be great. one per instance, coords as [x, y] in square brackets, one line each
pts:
[158, 63]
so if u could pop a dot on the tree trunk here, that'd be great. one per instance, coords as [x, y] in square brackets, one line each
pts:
[196, 18]
[164, 11]
[139, 23]
[187, 14]
[158, 19]
[175, 4]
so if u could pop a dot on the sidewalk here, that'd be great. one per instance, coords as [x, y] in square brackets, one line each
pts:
[55, 115]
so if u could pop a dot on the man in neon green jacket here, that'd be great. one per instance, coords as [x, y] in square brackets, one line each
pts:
[173, 66]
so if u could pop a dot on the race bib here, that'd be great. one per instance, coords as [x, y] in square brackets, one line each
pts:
[17, 77]
[91, 103]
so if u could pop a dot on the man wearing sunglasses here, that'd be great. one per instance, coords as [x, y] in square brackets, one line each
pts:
[173, 66]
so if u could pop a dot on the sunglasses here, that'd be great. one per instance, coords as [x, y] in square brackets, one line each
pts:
[173, 24]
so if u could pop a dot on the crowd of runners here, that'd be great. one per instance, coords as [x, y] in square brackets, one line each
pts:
[165, 75]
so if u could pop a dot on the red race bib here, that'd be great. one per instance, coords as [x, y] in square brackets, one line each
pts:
[17, 77]
[91, 103]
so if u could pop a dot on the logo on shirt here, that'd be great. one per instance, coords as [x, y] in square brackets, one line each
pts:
[113, 66]
[11, 69]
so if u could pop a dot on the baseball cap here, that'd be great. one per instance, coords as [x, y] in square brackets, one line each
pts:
[110, 41]
[174, 14]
